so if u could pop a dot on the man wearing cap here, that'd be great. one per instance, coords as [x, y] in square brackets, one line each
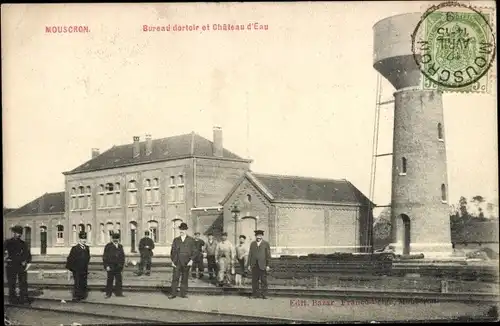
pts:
[224, 255]
[146, 246]
[198, 261]
[259, 258]
[78, 263]
[183, 253]
[210, 248]
[114, 260]
[18, 260]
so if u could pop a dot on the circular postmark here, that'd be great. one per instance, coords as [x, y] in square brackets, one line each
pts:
[453, 45]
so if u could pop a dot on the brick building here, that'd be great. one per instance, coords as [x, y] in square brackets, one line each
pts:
[158, 183]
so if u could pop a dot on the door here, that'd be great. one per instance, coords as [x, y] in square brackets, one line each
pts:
[27, 236]
[133, 236]
[43, 240]
[248, 225]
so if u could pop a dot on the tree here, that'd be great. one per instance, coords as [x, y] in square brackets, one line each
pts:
[478, 200]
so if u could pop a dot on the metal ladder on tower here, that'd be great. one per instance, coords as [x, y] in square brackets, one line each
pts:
[375, 155]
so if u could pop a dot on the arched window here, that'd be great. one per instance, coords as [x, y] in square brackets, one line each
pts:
[132, 193]
[73, 199]
[403, 165]
[118, 228]
[118, 199]
[147, 191]
[73, 233]
[153, 230]
[440, 131]
[443, 193]
[89, 233]
[102, 233]
[180, 189]
[249, 198]
[81, 227]
[175, 224]
[81, 198]
[60, 234]
[89, 197]
[101, 196]
[109, 195]
[171, 188]
[109, 229]
[156, 191]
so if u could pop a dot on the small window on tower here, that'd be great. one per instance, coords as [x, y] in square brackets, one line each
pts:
[440, 132]
[403, 166]
[443, 193]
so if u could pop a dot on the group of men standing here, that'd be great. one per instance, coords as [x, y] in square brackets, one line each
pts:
[187, 254]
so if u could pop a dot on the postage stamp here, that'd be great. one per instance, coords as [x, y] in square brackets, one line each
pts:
[454, 47]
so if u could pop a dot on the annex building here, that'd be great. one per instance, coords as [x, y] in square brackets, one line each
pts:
[156, 184]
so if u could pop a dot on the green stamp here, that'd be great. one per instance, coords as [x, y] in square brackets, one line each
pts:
[454, 47]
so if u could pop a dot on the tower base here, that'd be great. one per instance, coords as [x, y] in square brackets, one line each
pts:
[430, 250]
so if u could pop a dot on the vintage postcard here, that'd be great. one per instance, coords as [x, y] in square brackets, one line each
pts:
[287, 162]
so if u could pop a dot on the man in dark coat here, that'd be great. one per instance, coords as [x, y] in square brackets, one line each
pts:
[259, 258]
[114, 260]
[198, 261]
[78, 263]
[146, 246]
[18, 260]
[183, 254]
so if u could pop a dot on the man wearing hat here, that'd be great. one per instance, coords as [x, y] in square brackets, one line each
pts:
[210, 248]
[78, 263]
[114, 260]
[146, 246]
[198, 261]
[224, 255]
[183, 253]
[18, 258]
[259, 258]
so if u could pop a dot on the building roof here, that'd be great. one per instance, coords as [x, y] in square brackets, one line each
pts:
[164, 149]
[285, 187]
[49, 203]
[296, 188]
[8, 210]
[476, 232]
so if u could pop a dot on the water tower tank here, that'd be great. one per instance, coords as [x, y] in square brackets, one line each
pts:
[419, 201]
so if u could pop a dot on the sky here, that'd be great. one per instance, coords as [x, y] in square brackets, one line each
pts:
[298, 98]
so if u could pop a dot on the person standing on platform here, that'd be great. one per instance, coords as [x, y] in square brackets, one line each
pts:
[210, 248]
[18, 261]
[224, 255]
[146, 246]
[242, 257]
[259, 258]
[114, 260]
[183, 253]
[198, 261]
[78, 263]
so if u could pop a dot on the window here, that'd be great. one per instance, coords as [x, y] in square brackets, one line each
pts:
[118, 199]
[147, 191]
[156, 191]
[440, 131]
[101, 196]
[102, 233]
[443, 193]
[89, 197]
[249, 198]
[73, 199]
[73, 233]
[171, 190]
[132, 193]
[403, 166]
[81, 198]
[109, 195]
[153, 230]
[89, 233]
[180, 189]
[118, 228]
[60, 234]
[109, 228]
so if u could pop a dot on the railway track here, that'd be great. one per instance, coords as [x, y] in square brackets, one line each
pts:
[401, 295]
[129, 313]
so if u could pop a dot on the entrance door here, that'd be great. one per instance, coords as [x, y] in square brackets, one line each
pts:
[43, 240]
[133, 236]
[404, 234]
[27, 236]
[248, 225]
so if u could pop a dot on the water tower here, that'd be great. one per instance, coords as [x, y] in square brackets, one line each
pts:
[419, 202]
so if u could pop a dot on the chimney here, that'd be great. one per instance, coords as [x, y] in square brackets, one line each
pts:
[137, 148]
[218, 141]
[149, 144]
[95, 152]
